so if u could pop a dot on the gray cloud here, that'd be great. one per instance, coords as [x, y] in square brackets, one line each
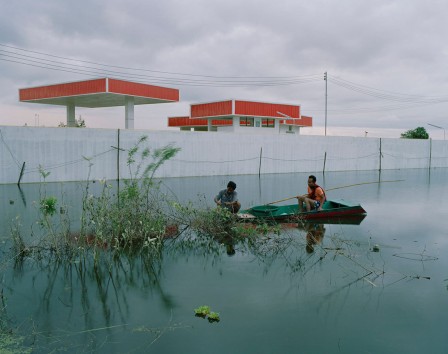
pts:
[394, 46]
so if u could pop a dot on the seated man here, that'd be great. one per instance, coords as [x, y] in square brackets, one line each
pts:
[228, 198]
[315, 198]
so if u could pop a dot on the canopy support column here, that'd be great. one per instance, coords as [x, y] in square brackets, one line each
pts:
[71, 121]
[129, 112]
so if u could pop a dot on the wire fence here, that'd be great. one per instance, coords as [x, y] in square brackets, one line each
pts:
[106, 159]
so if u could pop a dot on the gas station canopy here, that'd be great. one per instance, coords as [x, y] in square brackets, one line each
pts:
[103, 92]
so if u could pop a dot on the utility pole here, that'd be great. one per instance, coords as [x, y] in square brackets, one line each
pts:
[326, 82]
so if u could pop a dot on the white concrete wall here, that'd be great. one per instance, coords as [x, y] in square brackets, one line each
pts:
[405, 153]
[69, 153]
[439, 153]
[64, 152]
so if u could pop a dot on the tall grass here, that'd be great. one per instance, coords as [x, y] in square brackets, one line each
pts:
[133, 217]
[136, 217]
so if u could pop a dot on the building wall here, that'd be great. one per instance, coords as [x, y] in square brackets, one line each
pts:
[286, 129]
[75, 154]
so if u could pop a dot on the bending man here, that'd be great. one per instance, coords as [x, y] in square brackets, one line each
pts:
[228, 198]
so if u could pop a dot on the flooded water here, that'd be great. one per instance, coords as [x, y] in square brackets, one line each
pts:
[377, 287]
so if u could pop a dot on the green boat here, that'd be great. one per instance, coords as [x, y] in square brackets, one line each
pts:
[334, 208]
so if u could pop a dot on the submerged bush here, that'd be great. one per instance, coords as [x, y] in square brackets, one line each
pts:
[135, 217]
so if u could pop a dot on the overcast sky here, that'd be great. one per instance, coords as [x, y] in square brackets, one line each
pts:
[386, 60]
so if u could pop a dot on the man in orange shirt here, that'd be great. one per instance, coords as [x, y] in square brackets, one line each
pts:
[315, 198]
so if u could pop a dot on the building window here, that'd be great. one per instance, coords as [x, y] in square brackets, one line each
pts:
[268, 123]
[246, 121]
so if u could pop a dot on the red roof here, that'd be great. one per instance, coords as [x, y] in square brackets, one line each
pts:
[230, 108]
[104, 92]
[224, 111]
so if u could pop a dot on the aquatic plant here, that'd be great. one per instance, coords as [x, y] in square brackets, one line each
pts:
[132, 217]
[219, 222]
[213, 317]
[202, 311]
[135, 217]
[205, 312]
[13, 344]
[48, 205]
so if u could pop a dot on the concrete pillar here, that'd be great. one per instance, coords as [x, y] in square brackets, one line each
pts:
[71, 120]
[129, 112]
[277, 125]
[236, 127]
[209, 124]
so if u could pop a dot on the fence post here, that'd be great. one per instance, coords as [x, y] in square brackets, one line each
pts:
[325, 160]
[381, 155]
[118, 155]
[430, 152]
[21, 173]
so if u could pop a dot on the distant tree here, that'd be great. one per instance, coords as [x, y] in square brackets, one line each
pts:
[417, 133]
[79, 123]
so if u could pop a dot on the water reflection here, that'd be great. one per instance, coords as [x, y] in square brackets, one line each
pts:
[91, 293]
[315, 234]
[271, 289]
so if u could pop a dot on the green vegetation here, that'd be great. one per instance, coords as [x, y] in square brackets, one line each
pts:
[120, 241]
[204, 311]
[133, 218]
[13, 344]
[136, 218]
[122, 234]
[10, 342]
[79, 123]
[213, 317]
[48, 205]
[417, 133]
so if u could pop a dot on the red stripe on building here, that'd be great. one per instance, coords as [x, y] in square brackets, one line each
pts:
[188, 122]
[214, 109]
[307, 121]
[304, 121]
[63, 90]
[143, 90]
[260, 109]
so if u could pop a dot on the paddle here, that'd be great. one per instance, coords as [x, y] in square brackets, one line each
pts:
[331, 189]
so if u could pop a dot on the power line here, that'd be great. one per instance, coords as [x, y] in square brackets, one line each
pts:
[25, 59]
[361, 110]
[206, 80]
[149, 70]
[9, 150]
[385, 95]
[180, 82]
[143, 75]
